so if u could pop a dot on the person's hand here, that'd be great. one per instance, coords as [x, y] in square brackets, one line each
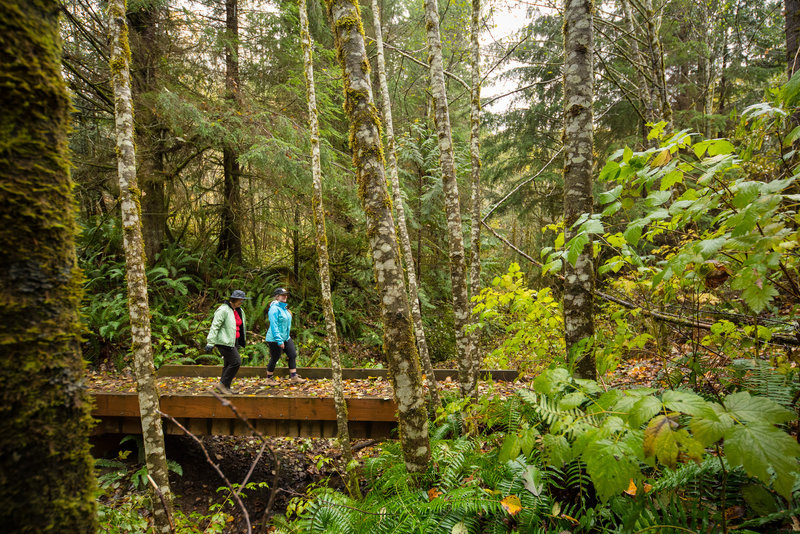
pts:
[283, 345]
[209, 347]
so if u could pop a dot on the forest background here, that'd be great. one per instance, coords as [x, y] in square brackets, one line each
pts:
[693, 236]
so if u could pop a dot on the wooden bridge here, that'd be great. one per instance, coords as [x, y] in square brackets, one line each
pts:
[204, 414]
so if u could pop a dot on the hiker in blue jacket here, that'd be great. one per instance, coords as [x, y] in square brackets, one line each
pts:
[279, 337]
[227, 334]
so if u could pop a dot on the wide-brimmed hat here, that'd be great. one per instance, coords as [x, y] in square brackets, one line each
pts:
[280, 291]
[238, 294]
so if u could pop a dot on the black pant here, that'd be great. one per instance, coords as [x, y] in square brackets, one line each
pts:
[232, 361]
[275, 352]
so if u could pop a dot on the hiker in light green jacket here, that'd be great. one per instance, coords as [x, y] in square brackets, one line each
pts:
[227, 333]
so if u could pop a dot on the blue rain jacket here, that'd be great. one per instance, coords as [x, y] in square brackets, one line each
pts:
[280, 322]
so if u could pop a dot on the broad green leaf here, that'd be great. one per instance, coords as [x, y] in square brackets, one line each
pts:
[709, 247]
[671, 178]
[656, 198]
[609, 172]
[791, 91]
[556, 449]
[720, 146]
[527, 440]
[759, 499]
[510, 449]
[576, 245]
[609, 196]
[627, 154]
[633, 233]
[708, 431]
[644, 410]
[611, 466]
[611, 209]
[757, 447]
[550, 381]
[700, 148]
[744, 407]
[689, 403]
[758, 297]
[593, 226]
[659, 440]
[573, 400]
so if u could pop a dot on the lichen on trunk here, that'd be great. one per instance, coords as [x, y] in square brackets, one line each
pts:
[578, 164]
[467, 363]
[343, 432]
[365, 144]
[138, 306]
[400, 216]
[46, 478]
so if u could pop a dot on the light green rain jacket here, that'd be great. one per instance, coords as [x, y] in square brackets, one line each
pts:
[223, 327]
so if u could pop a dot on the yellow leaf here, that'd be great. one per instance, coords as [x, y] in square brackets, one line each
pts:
[662, 158]
[512, 504]
[433, 493]
[631, 488]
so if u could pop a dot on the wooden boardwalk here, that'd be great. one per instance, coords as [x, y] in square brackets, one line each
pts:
[204, 414]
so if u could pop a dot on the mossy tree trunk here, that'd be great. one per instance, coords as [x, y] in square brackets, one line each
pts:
[467, 364]
[152, 432]
[365, 143]
[475, 158]
[46, 479]
[399, 211]
[578, 162]
[343, 432]
[230, 235]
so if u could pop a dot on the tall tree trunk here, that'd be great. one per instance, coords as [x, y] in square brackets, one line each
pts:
[578, 162]
[146, 49]
[230, 235]
[365, 143]
[296, 243]
[343, 433]
[467, 366]
[46, 478]
[475, 158]
[152, 432]
[400, 215]
[791, 12]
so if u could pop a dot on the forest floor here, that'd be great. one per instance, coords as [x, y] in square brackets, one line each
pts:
[297, 463]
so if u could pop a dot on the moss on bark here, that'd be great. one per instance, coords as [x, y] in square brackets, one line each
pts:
[46, 478]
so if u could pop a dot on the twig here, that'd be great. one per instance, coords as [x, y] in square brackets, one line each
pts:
[215, 466]
[163, 501]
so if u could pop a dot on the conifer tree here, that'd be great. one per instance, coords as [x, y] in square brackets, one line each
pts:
[46, 479]
[367, 148]
[152, 432]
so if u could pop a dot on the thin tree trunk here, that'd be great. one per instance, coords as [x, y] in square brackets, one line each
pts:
[296, 243]
[645, 87]
[467, 366]
[365, 143]
[399, 211]
[230, 236]
[343, 432]
[46, 478]
[475, 158]
[152, 432]
[578, 161]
